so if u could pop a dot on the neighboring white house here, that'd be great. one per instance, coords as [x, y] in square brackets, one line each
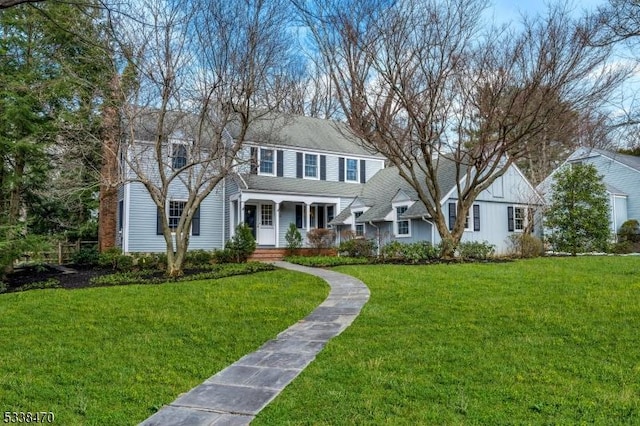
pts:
[314, 174]
[621, 176]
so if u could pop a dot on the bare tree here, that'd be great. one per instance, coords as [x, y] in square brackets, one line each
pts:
[420, 81]
[201, 69]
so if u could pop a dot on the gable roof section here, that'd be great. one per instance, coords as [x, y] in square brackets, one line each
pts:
[381, 190]
[306, 133]
[628, 160]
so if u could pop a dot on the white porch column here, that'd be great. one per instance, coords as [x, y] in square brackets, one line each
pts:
[308, 215]
[277, 224]
[241, 212]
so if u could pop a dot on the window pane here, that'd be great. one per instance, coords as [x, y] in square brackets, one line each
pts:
[266, 161]
[403, 227]
[179, 156]
[519, 216]
[266, 215]
[175, 211]
[310, 165]
[352, 169]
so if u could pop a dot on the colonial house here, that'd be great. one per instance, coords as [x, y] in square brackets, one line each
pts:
[314, 174]
[621, 176]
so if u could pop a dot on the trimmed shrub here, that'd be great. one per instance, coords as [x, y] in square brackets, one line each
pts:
[146, 262]
[418, 252]
[321, 238]
[242, 245]
[197, 258]
[222, 256]
[124, 263]
[326, 261]
[476, 250]
[109, 258]
[86, 256]
[358, 247]
[629, 232]
[622, 247]
[393, 250]
[421, 251]
[293, 238]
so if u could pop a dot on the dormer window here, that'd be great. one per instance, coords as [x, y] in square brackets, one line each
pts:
[352, 170]
[311, 166]
[267, 161]
[178, 155]
[359, 227]
[402, 225]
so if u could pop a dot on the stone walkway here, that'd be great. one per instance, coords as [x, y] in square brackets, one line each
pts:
[236, 394]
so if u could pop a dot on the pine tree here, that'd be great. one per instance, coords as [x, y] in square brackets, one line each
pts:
[579, 212]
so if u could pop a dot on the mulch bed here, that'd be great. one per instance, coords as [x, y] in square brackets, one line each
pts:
[72, 276]
[33, 274]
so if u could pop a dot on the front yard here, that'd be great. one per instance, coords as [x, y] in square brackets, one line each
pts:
[544, 341]
[113, 355]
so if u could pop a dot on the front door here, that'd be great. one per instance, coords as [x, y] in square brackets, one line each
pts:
[266, 228]
[250, 218]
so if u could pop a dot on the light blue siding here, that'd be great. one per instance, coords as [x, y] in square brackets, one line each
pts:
[622, 178]
[142, 221]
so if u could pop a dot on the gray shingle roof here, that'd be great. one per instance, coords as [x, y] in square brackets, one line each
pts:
[301, 186]
[628, 160]
[304, 133]
[380, 190]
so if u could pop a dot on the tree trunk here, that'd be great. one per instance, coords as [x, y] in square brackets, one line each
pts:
[109, 176]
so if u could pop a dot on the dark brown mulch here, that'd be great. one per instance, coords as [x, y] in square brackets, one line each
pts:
[33, 274]
[71, 276]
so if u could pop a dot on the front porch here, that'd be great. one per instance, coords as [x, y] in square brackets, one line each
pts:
[270, 215]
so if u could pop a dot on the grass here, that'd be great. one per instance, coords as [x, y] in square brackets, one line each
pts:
[114, 355]
[543, 341]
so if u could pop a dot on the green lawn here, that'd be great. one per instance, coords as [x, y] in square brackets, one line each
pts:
[111, 356]
[545, 341]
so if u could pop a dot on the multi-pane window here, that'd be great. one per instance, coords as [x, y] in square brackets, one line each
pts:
[359, 226]
[179, 155]
[519, 218]
[175, 211]
[402, 225]
[330, 213]
[266, 215]
[266, 161]
[352, 169]
[311, 165]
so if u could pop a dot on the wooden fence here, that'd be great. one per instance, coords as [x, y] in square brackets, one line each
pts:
[64, 251]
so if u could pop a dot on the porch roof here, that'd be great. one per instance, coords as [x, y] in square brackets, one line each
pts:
[301, 186]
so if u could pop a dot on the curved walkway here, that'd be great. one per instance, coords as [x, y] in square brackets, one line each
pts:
[236, 394]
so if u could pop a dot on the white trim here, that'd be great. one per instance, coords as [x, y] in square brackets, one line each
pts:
[346, 170]
[125, 217]
[167, 209]
[525, 219]
[274, 161]
[304, 166]
[293, 148]
[354, 224]
[394, 216]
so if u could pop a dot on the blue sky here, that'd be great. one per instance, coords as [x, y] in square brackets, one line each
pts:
[510, 10]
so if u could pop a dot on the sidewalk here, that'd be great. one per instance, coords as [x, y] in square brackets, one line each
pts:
[235, 395]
